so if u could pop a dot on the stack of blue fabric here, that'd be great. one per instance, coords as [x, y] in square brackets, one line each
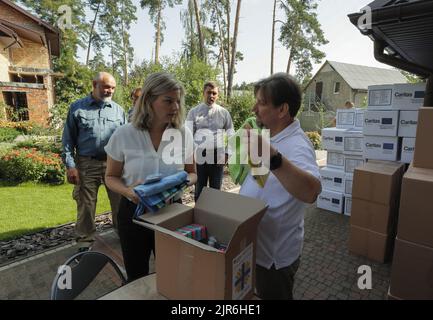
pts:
[154, 196]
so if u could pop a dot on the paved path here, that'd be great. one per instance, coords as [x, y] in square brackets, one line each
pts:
[327, 269]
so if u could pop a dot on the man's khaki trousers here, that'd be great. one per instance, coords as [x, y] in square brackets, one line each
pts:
[91, 172]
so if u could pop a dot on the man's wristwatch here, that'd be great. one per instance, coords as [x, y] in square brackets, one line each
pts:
[276, 161]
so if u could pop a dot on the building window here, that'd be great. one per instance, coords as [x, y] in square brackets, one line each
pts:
[336, 87]
[17, 108]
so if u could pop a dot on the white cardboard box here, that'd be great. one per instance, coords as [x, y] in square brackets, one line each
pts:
[348, 183]
[351, 162]
[335, 159]
[408, 96]
[407, 124]
[347, 204]
[382, 148]
[333, 139]
[400, 96]
[359, 118]
[331, 200]
[407, 150]
[381, 123]
[346, 118]
[353, 142]
[332, 179]
[380, 97]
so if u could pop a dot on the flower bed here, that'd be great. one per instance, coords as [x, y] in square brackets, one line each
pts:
[31, 165]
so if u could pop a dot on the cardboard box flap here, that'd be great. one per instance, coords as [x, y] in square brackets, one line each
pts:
[231, 206]
[164, 214]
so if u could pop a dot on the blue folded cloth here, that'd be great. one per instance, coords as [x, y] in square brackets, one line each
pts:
[154, 196]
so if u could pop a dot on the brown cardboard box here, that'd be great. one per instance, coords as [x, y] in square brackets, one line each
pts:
[370, 244]
[188, 269]
[416, 207]
[423, 155]
[374, 216]
[379, 182]
[412, 271]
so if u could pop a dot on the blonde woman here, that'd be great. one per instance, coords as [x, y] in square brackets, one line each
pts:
[138, 150]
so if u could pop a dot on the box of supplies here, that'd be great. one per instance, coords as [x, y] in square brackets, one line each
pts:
[331, 200]
[407, 150]
[335, 159]
[347, 204]
[332, 179]
[423, 156]
[346, 118]
[188, 269]
[416, 207]
[407, 124]
[380, 123]
[351, 162]
[408, 96]
[382, 148]
[348, 183]
[333, 139]
[353, 142]
[401, 96]
[359, 118]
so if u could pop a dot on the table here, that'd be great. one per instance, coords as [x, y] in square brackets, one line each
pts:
[141, 289]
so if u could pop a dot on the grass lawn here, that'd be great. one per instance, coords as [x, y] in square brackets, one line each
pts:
[30, 207]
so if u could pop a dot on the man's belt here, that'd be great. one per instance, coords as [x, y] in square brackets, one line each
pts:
[101, 157]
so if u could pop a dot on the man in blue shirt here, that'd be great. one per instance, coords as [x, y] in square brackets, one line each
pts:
[89, 125]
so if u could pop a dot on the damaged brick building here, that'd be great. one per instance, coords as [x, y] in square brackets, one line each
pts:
[27, 45]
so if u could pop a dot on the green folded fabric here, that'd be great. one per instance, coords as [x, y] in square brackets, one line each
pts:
[238, 172]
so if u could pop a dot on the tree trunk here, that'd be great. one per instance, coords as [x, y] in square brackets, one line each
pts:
[233, 59]
[222, 52]
[125, 56]
[112, 55]
[91, 34]
[228, 35]
[191, 36]
[158, 34]
[273, 38]
[200, 35]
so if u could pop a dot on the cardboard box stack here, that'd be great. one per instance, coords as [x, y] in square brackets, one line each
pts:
[390, 121]
[344, 145]
[187, 269]
[375, 198]
[412, 269]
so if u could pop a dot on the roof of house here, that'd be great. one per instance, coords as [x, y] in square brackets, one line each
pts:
[360, 77]
[52, 34]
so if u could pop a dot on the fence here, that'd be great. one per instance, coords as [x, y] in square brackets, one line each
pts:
[316, 121]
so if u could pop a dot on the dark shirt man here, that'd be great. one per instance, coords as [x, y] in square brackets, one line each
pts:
[89, 125]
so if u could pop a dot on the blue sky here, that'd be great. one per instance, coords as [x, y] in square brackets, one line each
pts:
[346, 44]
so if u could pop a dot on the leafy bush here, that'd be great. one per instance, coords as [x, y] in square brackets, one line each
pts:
[24, 127]
[240, 107]
[42, 144]
[315, 139]
[8, 134]
[31, 165]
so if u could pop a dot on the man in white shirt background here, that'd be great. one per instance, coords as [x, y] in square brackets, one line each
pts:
[208, 122]
[293, 181]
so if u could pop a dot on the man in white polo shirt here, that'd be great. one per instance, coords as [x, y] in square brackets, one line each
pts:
[293, 181]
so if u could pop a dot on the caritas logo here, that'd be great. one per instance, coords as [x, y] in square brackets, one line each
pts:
[403, 94]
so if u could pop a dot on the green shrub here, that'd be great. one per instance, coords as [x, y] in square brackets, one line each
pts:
[41, 144]
[31, 165]
[240, 107]
[23, 127]
[315, 139]
[8, 134]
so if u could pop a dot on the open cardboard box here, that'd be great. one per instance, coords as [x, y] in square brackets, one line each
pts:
[189, 269]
